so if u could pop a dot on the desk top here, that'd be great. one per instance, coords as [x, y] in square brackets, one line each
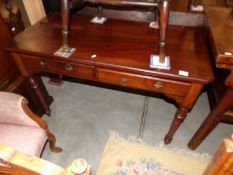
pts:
[120, 45]
[220, 25]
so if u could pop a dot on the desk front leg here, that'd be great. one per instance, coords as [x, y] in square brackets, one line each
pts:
[33, 83]
[182, 111]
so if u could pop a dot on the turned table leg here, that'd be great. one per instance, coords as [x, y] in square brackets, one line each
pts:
[180, 115]
[212, 119]
[35, 86]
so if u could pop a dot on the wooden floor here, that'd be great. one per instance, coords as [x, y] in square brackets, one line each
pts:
[183, 5]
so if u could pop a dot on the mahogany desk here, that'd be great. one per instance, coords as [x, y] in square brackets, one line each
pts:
[118, 52]
[220, 32]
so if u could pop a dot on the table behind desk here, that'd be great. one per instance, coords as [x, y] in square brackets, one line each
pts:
[219, 27]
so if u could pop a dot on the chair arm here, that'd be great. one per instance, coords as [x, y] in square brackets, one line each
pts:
[12, 161]
[15, 162]
[43, 124]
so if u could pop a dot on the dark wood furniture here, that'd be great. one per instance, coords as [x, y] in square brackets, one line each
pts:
[229, 3]
[220, 32]
[118, 52]
[10, 78]
[140, 3]
[12, 17]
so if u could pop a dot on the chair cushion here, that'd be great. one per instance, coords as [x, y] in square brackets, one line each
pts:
[27, 139]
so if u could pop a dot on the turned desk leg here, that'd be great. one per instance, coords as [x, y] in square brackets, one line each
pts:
[35, 86]
[212, 119]
[180, 115]
[182, 111]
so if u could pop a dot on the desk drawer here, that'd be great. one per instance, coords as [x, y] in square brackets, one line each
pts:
[37, 64]
[143, 82]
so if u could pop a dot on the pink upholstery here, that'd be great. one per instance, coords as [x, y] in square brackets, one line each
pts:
[17, 129]
[11, 110]
[27, 139]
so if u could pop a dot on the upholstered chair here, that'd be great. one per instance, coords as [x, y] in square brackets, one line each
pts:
[21, 129]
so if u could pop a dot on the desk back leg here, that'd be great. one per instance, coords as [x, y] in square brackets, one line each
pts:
[35, 86]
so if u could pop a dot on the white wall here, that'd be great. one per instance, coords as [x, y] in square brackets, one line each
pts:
[34, 10]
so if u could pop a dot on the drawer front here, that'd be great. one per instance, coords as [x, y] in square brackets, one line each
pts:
[37, 64]
[143, 82]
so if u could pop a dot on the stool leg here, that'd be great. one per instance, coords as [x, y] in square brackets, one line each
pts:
[212, 119]
[100, 12]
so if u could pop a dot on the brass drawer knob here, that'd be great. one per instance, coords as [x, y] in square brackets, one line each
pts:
[42, 63]
[158, 84]
[124, 81]
[68, 67]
